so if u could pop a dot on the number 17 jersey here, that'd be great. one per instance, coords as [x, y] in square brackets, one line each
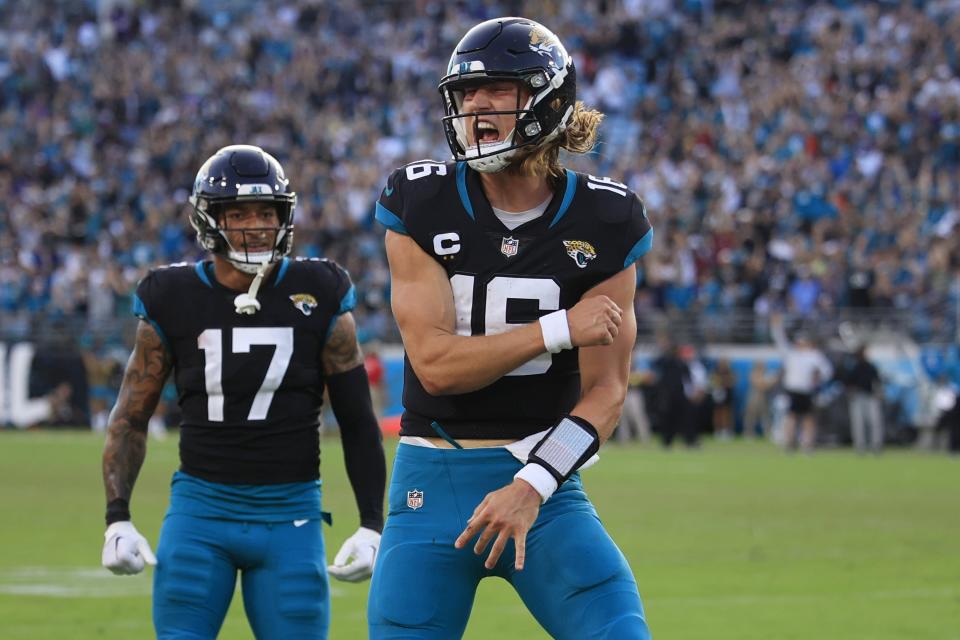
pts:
[592, 229]
[250, 387]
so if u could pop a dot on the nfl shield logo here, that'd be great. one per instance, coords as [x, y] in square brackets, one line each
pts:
[509, 247]
[415, 499]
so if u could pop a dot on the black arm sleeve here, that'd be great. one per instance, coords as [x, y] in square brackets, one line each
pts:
[362, 442]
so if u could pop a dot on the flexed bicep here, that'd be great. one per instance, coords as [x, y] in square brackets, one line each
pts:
[434, 312]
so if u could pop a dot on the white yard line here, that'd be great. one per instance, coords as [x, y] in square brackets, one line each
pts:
[84, 582]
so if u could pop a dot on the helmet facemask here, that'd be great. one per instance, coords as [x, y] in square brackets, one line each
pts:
[212, 232]
[236, 175]
[493, 156]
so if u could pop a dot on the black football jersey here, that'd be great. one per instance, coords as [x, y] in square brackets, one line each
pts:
[250, 387]
[592, 229]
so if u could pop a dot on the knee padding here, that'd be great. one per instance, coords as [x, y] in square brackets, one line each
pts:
[628, 627]
[186, 575]
[586, 562]
[302, 590]
[396, 601]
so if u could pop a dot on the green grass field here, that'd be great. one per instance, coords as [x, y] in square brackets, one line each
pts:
[734, 541]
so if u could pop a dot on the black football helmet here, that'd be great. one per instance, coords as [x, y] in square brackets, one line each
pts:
[241, 173]
[509, 49]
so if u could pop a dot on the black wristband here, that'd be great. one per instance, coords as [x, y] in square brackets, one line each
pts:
[570, 443]
[118, 510]
[362, 442]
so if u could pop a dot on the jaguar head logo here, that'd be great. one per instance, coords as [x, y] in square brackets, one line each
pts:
[304, 302]
[580, 251]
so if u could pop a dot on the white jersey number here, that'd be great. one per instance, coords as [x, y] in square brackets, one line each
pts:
[424, 169]
[211, 343]
[500, 290]
[607, 184]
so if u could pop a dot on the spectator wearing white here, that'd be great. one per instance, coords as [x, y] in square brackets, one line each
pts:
[805, 368]
[865, 390]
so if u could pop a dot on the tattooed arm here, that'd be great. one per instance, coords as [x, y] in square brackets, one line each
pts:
[342, 351]
[359, 430]
[126, 444]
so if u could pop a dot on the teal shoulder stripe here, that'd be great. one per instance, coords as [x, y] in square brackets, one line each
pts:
[567, 197]
[347, 303]
[390, 220]
[140, 311]
[462, 188]
[284, 265]
[643, 245]
[202, 273]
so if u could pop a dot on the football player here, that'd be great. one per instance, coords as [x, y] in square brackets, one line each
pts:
[252, 337]
[512, 283]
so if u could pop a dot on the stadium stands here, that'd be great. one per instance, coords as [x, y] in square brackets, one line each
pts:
[792, 155]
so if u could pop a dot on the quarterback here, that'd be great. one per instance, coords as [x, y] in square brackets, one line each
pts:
[512, 283]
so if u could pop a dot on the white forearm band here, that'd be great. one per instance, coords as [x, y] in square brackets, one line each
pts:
[556, 331]
[539, 478]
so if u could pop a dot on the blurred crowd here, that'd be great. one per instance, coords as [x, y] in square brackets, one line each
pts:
[792, 155]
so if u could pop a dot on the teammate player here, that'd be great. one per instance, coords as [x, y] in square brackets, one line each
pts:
[252, 338]
[513, 283]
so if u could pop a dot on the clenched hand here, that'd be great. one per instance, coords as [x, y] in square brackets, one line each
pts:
[594, 321]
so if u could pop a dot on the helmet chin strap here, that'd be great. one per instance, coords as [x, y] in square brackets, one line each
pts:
[247, 303]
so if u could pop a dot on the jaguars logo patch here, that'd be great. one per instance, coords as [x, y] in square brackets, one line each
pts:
[580, 252]
[305, 302]
[545, 44]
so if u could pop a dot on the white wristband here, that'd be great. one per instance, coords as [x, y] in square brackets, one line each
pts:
[538, 478]
[556, 331]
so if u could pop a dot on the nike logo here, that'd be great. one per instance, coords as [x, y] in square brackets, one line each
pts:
[300, 523]
[388, 191]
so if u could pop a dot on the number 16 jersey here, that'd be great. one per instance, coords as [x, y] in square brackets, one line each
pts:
[592, 229]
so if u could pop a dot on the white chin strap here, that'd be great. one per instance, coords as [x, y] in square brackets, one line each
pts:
[249, 262]
[499, 158]
[247, 303]
[491, 164]
[498, 161]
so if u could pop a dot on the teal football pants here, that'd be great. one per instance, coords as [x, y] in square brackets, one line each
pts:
[284, 578]
[575, 581]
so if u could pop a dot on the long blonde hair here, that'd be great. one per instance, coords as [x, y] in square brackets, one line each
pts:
[579, 137]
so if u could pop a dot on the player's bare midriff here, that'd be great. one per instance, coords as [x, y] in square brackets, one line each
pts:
[469, 444]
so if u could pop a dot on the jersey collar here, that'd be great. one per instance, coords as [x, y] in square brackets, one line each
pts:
[204, 271]
[478, 208]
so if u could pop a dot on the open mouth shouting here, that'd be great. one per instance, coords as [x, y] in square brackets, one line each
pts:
[485, 132]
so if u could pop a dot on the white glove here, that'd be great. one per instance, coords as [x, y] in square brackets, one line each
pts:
[126, 550]
[354, 561]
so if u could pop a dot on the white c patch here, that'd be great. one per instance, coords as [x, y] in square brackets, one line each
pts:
[446, 244]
